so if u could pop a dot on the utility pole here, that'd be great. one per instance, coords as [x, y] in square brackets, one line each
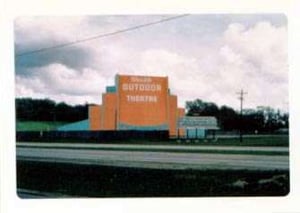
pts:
[241, 97]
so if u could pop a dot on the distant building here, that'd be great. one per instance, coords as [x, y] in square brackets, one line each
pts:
[198, 126]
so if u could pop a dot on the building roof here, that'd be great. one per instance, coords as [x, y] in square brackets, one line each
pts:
[201, 122]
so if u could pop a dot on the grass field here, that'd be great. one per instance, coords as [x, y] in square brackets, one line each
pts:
[249, 140]
[271, 141]
[257, 140]
[71, 180]
[38, 125]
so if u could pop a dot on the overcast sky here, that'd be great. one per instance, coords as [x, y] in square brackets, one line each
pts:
[210, 57]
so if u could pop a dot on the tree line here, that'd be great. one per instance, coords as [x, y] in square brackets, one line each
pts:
[28, 109]
[261, 119]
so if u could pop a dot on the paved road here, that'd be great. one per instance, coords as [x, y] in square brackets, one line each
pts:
[153, 159]
[154, 147]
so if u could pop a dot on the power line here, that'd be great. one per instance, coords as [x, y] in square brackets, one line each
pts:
[100, 36]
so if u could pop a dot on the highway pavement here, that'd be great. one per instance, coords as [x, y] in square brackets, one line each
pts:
[155, 156]
[152, 147]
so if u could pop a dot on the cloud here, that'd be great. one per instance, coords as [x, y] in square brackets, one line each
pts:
[264, 46]
[60, 82]
[37, 29]
[73, 57]
[35, 33]
[255, 59]
[211, 64]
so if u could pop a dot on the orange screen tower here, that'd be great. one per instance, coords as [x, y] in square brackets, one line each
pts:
[137, 103]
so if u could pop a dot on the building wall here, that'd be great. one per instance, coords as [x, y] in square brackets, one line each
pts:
[95, 117]
[109, 111]
[195, 133]
[142, 101]
[172, 116]
[137, 103]
[181, 113]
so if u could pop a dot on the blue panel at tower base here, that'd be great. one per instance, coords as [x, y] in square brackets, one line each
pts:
[123, 126]
[76, 126]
